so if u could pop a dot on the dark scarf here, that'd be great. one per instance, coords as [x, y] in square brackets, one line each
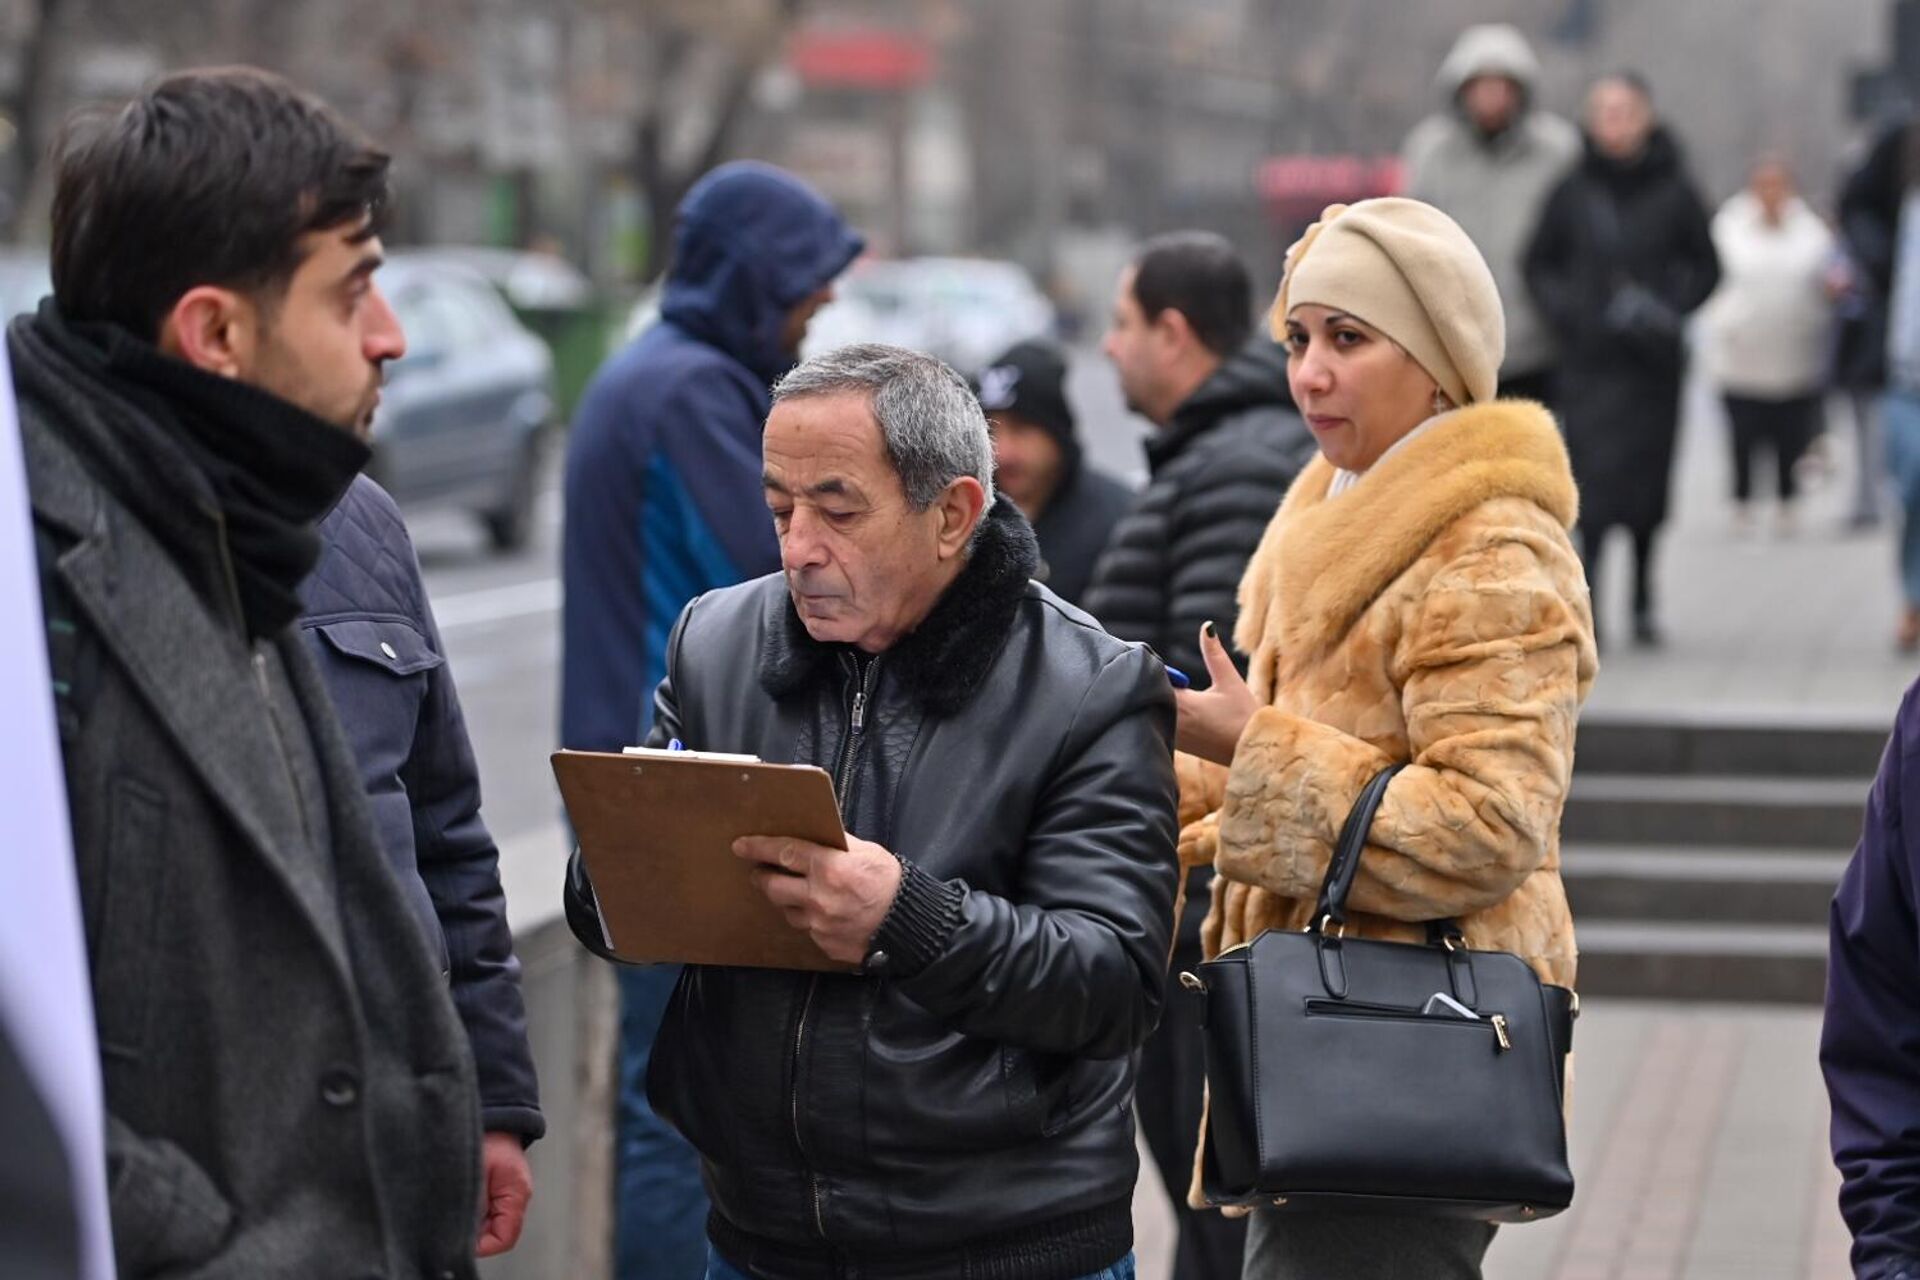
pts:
[196, 456]
[946, 657]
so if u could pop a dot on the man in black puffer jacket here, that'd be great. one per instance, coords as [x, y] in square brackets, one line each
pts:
[1227, 446]
[960, 1106]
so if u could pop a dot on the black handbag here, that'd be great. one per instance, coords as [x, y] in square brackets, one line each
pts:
[1353, 1075]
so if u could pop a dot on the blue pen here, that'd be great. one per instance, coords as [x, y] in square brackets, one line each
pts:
[1178, 678]
[674, 744]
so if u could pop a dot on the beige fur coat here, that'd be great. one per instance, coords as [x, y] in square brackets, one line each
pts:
[1436, 614]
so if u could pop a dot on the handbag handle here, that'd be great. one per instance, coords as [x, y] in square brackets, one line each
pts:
[1345, 863]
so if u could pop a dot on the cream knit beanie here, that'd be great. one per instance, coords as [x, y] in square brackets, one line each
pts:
[1409, 271]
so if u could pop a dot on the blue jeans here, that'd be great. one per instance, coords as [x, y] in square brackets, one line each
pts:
[660, 1206]
[1900, 420]
[718, 1268]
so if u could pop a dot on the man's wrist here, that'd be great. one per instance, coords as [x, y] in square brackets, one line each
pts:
[917, 926]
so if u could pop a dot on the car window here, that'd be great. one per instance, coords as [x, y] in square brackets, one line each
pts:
[443, 319]
[484, 310]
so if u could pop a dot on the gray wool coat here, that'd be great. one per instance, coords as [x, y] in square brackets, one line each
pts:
[289, 1092]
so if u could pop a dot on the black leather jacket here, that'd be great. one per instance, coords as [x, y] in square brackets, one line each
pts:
[966, 1108]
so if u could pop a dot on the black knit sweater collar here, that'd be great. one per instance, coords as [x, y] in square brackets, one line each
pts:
[201, 459]
[944, 660]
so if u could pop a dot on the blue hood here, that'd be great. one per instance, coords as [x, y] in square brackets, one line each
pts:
[752, 240]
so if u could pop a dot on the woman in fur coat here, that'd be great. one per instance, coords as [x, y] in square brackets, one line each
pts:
[1415, 599]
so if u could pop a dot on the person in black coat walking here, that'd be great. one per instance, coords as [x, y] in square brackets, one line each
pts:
[1622, 255]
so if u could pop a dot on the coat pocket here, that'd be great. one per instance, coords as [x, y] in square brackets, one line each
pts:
[127, 944]
[1038, 1104]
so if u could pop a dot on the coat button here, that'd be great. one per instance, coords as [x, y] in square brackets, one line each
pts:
[339, 1088]
[393, 654]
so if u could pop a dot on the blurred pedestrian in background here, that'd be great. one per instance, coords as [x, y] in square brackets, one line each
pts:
[1766, 330]
[1416, 599]
[370, 630]
[1862, 279]
[1883, 235]
[1226, 445]
[1489, 159]
[1037, 463]
[1622, 256]
[663, 502]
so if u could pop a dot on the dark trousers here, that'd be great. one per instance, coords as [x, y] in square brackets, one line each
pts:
[1167, 1098]
[1784, 427]
[1593, 545]
[660, 1206]
[1336, 1246]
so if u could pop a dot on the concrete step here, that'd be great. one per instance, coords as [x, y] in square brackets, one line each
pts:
[1696, 960]
[1654, 810]
[1704, 882]
[1810, 749]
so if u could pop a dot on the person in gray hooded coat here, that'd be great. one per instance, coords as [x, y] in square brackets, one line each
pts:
[1489, 160]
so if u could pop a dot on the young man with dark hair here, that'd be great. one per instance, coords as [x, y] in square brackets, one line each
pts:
[1226, 446]
[288, 1087]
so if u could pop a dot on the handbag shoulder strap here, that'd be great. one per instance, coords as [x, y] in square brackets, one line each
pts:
[1345, 863]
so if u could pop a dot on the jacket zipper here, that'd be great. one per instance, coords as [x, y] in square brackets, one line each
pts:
[1494, 1022]
[862, 685]
[799, 1035]
[857, 718]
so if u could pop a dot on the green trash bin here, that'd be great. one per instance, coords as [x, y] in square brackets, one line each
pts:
[578, 337]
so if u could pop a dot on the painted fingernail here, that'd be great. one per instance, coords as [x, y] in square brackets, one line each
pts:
[1212, 633]
[1178, 678]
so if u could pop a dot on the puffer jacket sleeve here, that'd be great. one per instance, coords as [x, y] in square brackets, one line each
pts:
[1870, 1040]
[1212, 533]
[1077, 965]
[1493, 655]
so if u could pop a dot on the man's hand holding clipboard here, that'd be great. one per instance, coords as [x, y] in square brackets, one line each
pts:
[837, 896]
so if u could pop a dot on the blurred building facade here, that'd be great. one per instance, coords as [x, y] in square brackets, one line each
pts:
[1048, 131]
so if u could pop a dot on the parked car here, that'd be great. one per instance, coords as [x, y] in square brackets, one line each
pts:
[25, 278]
[964, 310]
[465, 419]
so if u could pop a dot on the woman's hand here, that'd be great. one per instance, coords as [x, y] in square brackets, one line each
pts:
[1211, 723]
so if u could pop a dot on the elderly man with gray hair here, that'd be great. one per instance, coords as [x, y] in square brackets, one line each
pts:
[960, 1105]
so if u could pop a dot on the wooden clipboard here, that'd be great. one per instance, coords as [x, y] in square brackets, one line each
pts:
[657, 832]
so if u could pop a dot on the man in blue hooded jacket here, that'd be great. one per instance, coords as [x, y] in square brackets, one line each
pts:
[664, 502]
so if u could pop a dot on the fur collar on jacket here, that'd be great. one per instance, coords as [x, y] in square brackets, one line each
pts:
[943, 662]
[1323, 561]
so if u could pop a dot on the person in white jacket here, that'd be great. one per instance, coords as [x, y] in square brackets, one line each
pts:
[1767, 329]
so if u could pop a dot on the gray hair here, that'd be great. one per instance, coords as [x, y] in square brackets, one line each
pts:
[930, 421]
